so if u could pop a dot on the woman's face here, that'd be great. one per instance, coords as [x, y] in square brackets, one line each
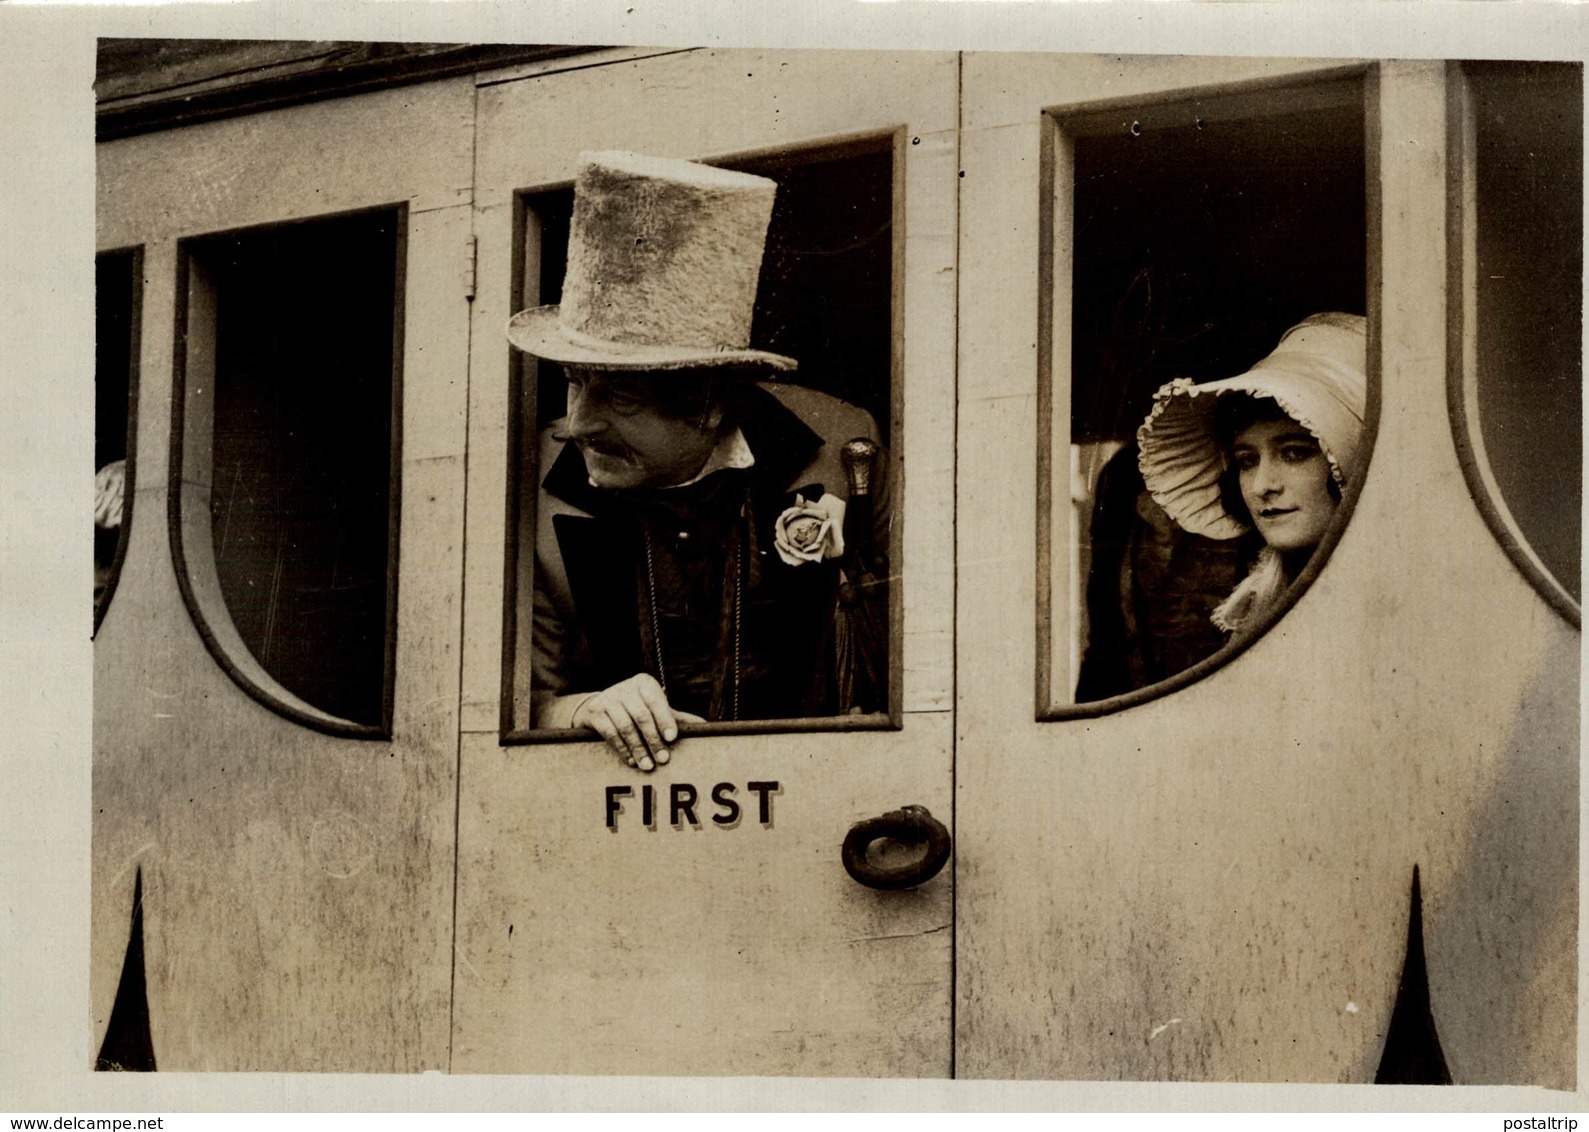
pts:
[1285, 482]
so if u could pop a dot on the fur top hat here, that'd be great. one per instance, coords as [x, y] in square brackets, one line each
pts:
[663, 257]
[1318, 375]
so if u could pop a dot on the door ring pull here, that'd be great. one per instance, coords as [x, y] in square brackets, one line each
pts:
[908, 825]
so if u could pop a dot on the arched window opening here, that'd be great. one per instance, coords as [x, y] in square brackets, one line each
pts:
[118, 290]
[291, 368]
[1522, 382]
[827, 297]
[1195, 235]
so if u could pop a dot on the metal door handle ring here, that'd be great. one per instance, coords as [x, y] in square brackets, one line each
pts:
[908, 825]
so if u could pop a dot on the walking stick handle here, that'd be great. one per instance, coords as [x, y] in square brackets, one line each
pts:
[860, 458]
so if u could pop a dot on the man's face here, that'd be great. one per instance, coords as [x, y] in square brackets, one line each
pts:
[626, 437]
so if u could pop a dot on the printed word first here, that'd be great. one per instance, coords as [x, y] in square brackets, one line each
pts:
[682, 802]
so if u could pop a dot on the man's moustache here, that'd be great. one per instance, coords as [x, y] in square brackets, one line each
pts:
[596, 445]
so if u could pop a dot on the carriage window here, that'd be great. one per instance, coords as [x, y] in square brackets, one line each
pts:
[117, 290]
[291, 376]
[1197, 236]
[1524, 272]
[699, 525]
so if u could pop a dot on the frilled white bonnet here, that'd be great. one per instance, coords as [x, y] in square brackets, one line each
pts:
[1318, 375]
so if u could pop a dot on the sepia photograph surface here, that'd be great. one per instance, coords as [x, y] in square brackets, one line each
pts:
[911, 562]
[581, 606]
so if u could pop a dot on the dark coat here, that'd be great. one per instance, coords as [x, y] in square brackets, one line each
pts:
[593, 623]
[1151, 587]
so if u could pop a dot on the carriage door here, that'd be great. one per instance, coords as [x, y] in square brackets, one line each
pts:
[700, 920]
[1178, 862]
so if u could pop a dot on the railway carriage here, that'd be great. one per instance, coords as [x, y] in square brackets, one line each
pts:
[327, 832]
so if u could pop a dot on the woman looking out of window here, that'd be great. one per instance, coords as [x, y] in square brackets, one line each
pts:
[1268, 451]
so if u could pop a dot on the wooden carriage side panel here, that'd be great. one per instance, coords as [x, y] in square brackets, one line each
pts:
[297, 887]
[1213, 884]
[698, 947]
[1506, 902]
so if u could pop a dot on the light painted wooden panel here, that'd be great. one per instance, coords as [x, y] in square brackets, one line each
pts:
[489, 411]
[118, 845]
[712, 951]
[309, 160]
[1495, 717]
[924, 432]
[716, 103]
[1003, 89]
[156, 346]
[1532, 790]
[436, 334]
[430, 607]
[999, 222]
[1214, 885]
[122, 829]
[297, 887]
[270, 942]
[695, 951]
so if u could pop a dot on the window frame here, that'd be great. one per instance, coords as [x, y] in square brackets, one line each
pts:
[191, 460]
[1462, 401]
[135, 253]
[523, 471]
[1055, 680]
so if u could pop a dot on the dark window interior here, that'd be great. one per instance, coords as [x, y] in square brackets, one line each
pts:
[824, 295]
[115, 335]
[1529, 132]
[1199, 239]
[303, 451]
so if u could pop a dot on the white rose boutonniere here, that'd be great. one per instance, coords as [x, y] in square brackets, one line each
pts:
[810, 532]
